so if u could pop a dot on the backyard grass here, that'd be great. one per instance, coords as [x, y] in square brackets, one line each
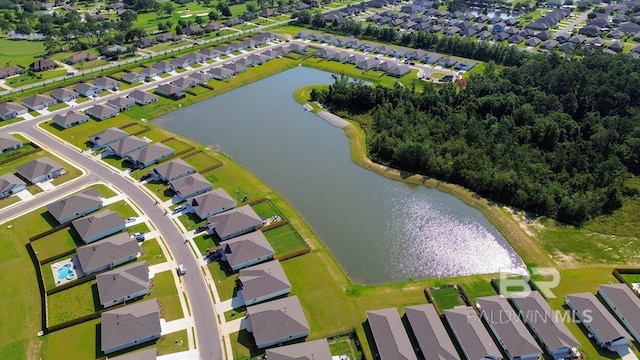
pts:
[56, 243]
[345, 346]
[266, 209]
[446, 298]
[284, 240]
[632, 278]
[25, 78]
[73, 303]
[201, 160]
[137, 128]
[164, 289]
[20, 52]
[177, 145]
[151, 252]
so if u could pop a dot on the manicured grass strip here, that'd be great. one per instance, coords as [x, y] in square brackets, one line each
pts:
[177, 144]
[285, 240]
[172, 343]
[204, 242]
[104, 191]
[159, 188]
[58, 106]
[224, 284]
[56, 243]
[446, 298]
[632, 278]
[164, 289]
[122, 208]
[8, 201]
[83, 339]
[73, 303]
[266, 209]
[235, 314]
[152, 252]
[201, 160]
[142, 228]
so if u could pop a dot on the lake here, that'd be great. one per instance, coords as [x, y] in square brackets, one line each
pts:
[378, 229]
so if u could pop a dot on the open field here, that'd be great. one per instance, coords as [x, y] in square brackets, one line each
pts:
[20, 52]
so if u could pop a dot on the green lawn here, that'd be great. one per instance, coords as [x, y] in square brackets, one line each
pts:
[152, 252]
[632, 278]
[8, 201]
[266, 209]
[164, 289]
[285, 240]
[202, 160]
[25, 78]
[20, 52]
[224, 284]
[137, 128]
[57, 243]
[73, 303]
[446, 298]
[13, 153]
[122, 208]
[177, 144]
[204, 242]
[58, 106]
[235, 314]
[160, 189]
[345, 346]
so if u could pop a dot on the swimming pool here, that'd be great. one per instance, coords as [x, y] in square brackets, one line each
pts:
[65, 272]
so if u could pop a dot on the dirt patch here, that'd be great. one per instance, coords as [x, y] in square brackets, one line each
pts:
[565, 261]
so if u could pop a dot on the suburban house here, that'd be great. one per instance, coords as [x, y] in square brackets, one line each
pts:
[101, 112]
[221, 73]
[107, 83]
[286, 312]
[210, 53]
[150, 155]
[225, 50]
[264, 38]
[39, 102]
[107, 253]
[80, 57]
[604, 328]
[190, 186]
[99, 225]
[173, 170]
[148, 354]
[129, 326]
[181, 62]
[150, 72]
[42, 65]
[172, 91]
[472, 336]
[132, 77]
[263, 282]
[167, 37]
[8, 143]
[144, 43]
[10, 110]
[121, 103]
[508, 329]
[6, 71]
[368, 64]
[234, 222]
[389, 335]
[142, 97]
[64, 94]
[70, 119]
[298, 48]
[126, 146]
[546, 325]
[10, 185]
[246, 250]
[86, 89]
[75, 206]
[164, 67]
[236, 68]
[625, 305]
[122, 284]
[212, 203]
[200, 77]
[184, 82]
[196, 58]
[430, 332]
[316, 350]
[41, 169]
[109, 136]
[399, 71]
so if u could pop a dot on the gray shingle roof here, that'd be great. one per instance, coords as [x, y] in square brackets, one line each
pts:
[109, 135]
[174, 169]
[9, 181]
[430, 333]
[10, 106]
[625, 301]
[39, 167]
[473, 337]
[62, 93]
[507, 326]
[602, 323]
[539, 315]
[211, 201]
[106, 251]
[129, 323]
[106, 82]
[234, 220]
[263, 279]
[74, 204]
[101, 111]
[69, 118]
[127, 144]
[390, 336]
[142, 96]
[151, 153]
[190, 184]
[119, 283]
[83, 88]
[310, 350]
[91, 226]
[120, 103]
[244, 248]
[7, 141]
[277, 319]
[37, 100]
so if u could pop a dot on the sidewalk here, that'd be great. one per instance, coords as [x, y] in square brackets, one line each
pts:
[169, 327]
[162, 267]
[229, 305]
[234, 326]
[184, 355]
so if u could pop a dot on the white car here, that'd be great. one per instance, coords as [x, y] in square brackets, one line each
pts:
[131, 219]
[181, 270]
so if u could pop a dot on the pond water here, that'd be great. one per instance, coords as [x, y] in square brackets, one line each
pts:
[379, 230]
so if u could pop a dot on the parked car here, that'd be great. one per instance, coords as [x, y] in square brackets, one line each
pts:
[181, 270]
[139, 236]
[178, 209]
[201, 228]
[131, 219]
[145, 177]
[214, 255]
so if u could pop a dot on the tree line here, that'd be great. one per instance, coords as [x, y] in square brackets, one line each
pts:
[552, 136]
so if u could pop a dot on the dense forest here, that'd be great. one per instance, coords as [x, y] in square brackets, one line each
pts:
[553, 136]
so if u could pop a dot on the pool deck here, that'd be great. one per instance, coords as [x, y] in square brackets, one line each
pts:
[75, 267]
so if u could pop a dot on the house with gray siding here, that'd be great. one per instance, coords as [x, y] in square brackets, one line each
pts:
[126, 146]
[10, 185]
[391, 339]
[221, 73]
[263, 282]
[107, 83]
[150, 72]
[132, 77]
[246, 250]
[41, 169]
[508, 329]
[310, 350]
[142, 97]
[64, 94]
[8, 143]
[101, 112]
[129, 326]
[173, 170]
[39, 102]
[108, 136]
[150, 155]
[234, 222]
[190, 186]
[547, 327]
[625, 305]
[10, 110]
[123, 283]
[87, 90]
[75, 206]
[121, 104]
[286, 312]
[107, 253]
[212, 203]
[472, 336]
[430, 333]
[70, 119]
[604, 328]
[99, 225]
